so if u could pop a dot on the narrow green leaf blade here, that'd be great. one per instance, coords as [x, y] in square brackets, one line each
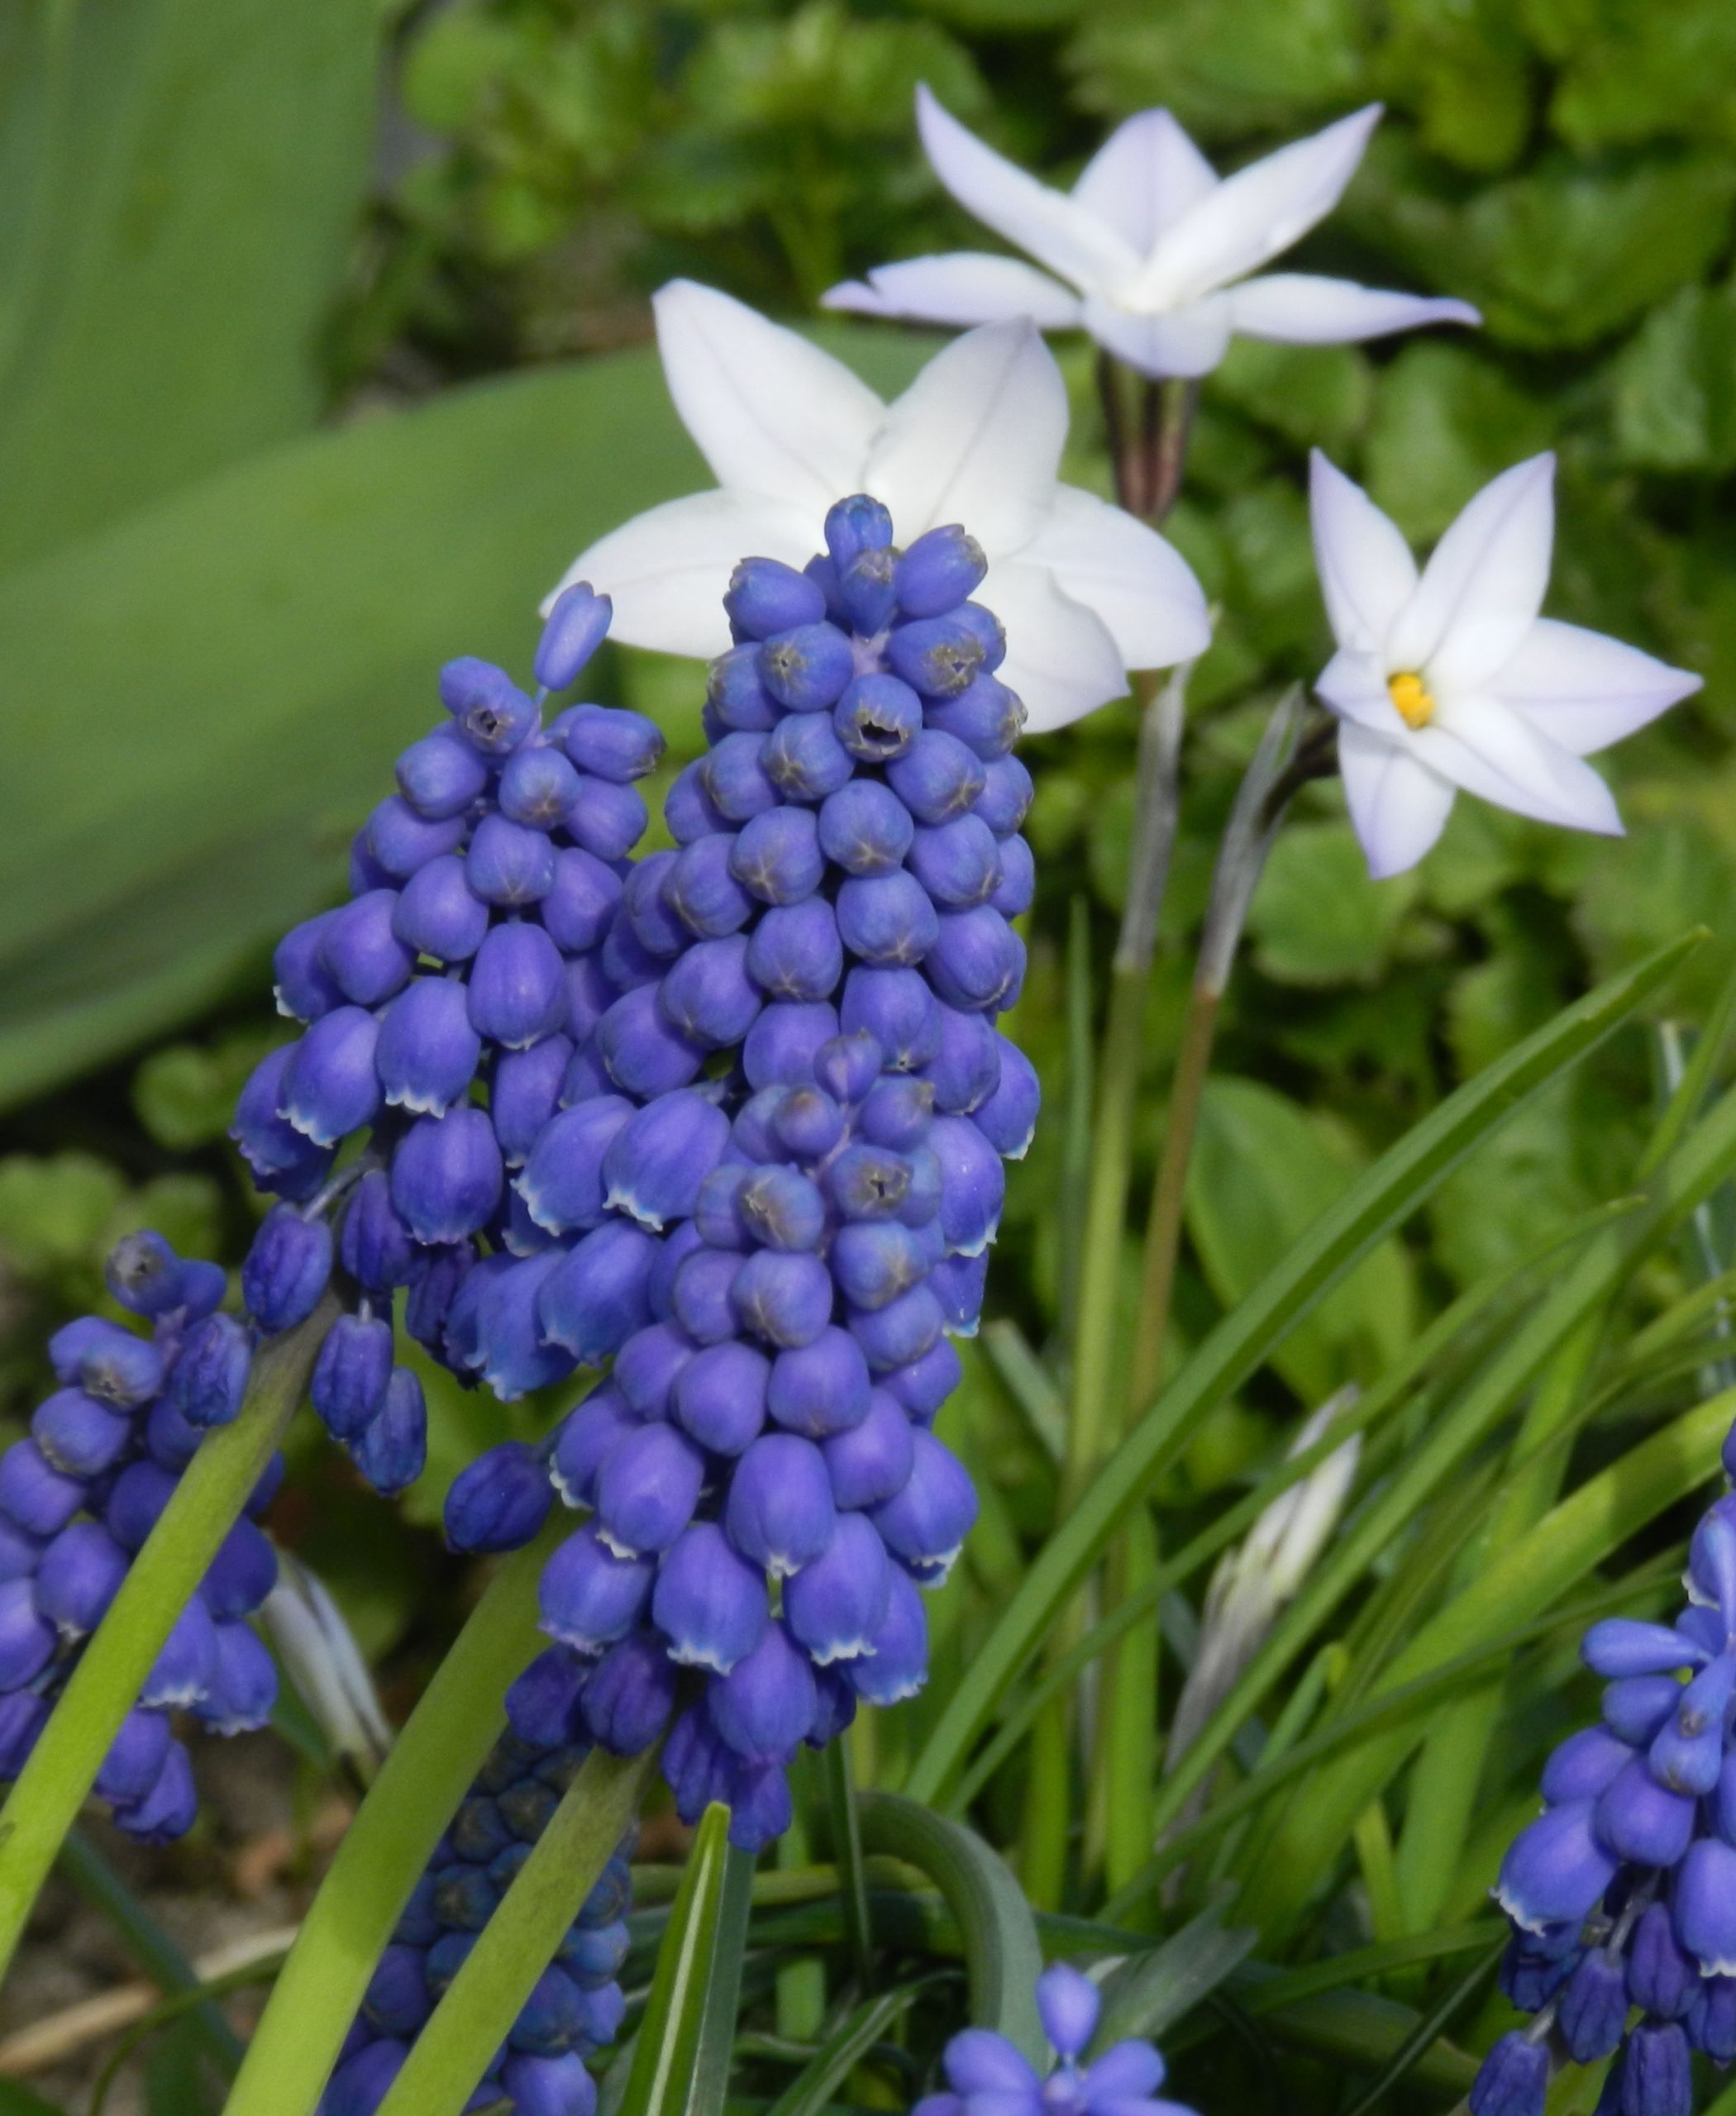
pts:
[1145, 1994]
[691, 1961]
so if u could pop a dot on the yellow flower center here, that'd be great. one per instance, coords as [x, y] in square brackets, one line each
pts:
[1416, 708]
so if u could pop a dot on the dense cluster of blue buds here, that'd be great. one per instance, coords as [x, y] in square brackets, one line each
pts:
[78, 1498]
[988, 2075]
[576, 2007]
[1623, 1893]
[446, 1005]
[766, 1195]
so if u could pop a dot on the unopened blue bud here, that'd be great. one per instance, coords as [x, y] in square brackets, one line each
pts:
[965, 1070]
[865, 828]
[168, 1438]
[394, 1451]
[1657, 2075]
[525, 1095]
[447, 1175]
[550, 2085]
[79, 1436]
[630, 1695]
[985, 717]
[436, 1277]
[499, 1501]
[897, 1666]
[589, 1598]
[1514, 2078]
[796, 952]
[612, 742]
[867, 1182]
[606, 817]
[590, 995]
[837, 1603]
[804, 758]
[734, 693]
[438, 914]
[820, 1389]
[925, 1524]
[34, 1495]
[1007, 1118]
[644, 1051]
[27, 1639]
[870, 1461]
[974, 1184]
[655, 921]
[303, 987]
[958, 863]
[576, 628]
[938, 656]
[517, 986]
[167, 1811]
[242, 1573]
[1556, 1869]
[765, 596]
[938, 571]
[1705, 1912]
[427, 1052]
[597, 1297]
[134, 1505]
[977, 961]
[719, 1397]
[280, 1157]
[1620, 1645]
[1688, 1751]
[145, 1276]
[700, 1299]
[897, 1113]
[330, 1085]
[577, 909]
[709, 1602]
[780, 1512]
[860, 523]
[899, 1333]
[735, 778]
[210, 1380]
[184, 1668]
[806, 667]
[136, 1758]
[688, 810]
[400, 841]
[563, 1183]
[365, 871]
[491, 712]
[19, 1555]
[782, 1208]
[542, 1702]
[79, 1575]
[646, 1490]
[776, 856]
[765, 1705]
[874, 1261]
[707, 995]
[656, 1164]
[243, 1687]
[509, 864]
[866, 596]
[783, 1297]
[287, 1269]
[938, 778]
[886, 918]
[441, 775]
[1006, 800]
[703, 890]
[1712, 2018]
[1017, 891]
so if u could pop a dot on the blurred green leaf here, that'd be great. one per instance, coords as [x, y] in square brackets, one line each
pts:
[1463, 70]
[181, 190]
[1145, 1995]
[1228, 67]
[185, 1094]
[1314, 395]
[1316, 917]
[1445, 420]
[53, 1209]
[1631, 71]
[1675, 385]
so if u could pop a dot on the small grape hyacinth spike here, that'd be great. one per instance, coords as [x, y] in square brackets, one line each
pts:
[988, 2075]
[576, 2007]
[1622, 1893]
[78, 1498]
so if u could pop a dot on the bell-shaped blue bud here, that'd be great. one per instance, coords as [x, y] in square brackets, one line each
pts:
[329, 1086]
[499, 1501]
[958, 1283]
[27, 1637]
[656, 1164]
[441, 775]
[167, 1811]
[734, 694]
[807, 1121]
[783, 1297]
[886, 919]
[700, 1299]
[1656, 2075]
[374, 1244]
[897, 1666]
[1016, 892]
[655, 923]
[517, 985]
[612, 742]
[646, 1490]
[136, 1758]
[562, 1184]
[1622, 1645]
[19, 1555]
[1007, 1118]
[718, 1397]
[559, 2085]
[734, 777]
[243, 1687]
[783, 1044]
[938, 778]
[304, 989]
[1688, 1751]
[361, 949]
[862, 591]
[287, 1269]
[765, 1705]
[870, 1461]
[1638, 1818]
[1006, 800]
[630, 1695]
[958, 863]
[427, 1052]
[943, 568]
[865, 828]
[512, 1352]
[1514, 2078]
[1706, 1907]
[447, 1175]
[1592, 2010]
[765, 596]
[703, 888]
[965, 1068]
[876, 1260]
[597, 1297]
[34, 1495]
[939, 656]
[1556, 1869]
[509, 864]
[707, 996]
[977, 961]
[644, 1051]
[1712, 2018]
[607, 818]
[779, 1511]
[899, 1334]
[1582, 1766]
[860, 523]
[542, 1702]
[796, 952]
[709, 1602]
[438, 914]
[23, 1715]
[1661, 1979]
[578, 909]
[1067, 2003]
[578, 623]
[803, 758]
[877, 718]
[491, 712]
[537, 787]
[398, 842]
[80, 1436]
[896, 1113]
[820, 1389]
[837, 1602]
[925, 1524]
[525, 1095]
[589, 1598]
[806, 667]
[184, 1668]
[781, 1207]
[985, 717]
[398, 1999]
[776, 856]
[242, 1573]
[80, 1574]
[437, 1276]
[134, 1505]
[973, 1184]
[394, 1451]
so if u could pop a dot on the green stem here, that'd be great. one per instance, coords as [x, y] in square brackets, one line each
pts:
[1169, 1193]
[847, 1849]
[420, 1785]
[163, 1578]
[469, 2025]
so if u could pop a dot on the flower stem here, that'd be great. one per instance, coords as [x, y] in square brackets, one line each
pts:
[424, 1777]
[452, 2051]
[1146, 440]
[163, 1578]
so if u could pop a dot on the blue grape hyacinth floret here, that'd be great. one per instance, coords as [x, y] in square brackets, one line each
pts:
[444, 1006]
[775, 1200]
[1622, 1893]
[78, 1498]
[988, 2075]
[577, 2005]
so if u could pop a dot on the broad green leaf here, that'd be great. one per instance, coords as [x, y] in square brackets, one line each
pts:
[1261, 1169]
[1003, 1954]
[1316, 397]
[231, 672]
[1675, 385]
[1445, 420]
[1404, 1177]
[1631, 72]
[181, 187]
[1314, 918]
[1227, 67]
[1462, 70]
[699, 1972]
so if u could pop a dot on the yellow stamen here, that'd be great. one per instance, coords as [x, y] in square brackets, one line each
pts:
[1416, 708]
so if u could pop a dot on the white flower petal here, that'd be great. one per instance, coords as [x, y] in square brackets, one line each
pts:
[1482, 587]
[1583, 690]
[1141, 586]
[1398, 806]
[1185, 342]
[771, 413]
[1296, 308]
[1254, 214]
[1054, 229]
[666, 570]
[1144, 177]
[1060, 659]
[1490, 750]
[1367, 574]
[976, 438]
[962, 288]
[1353, 684]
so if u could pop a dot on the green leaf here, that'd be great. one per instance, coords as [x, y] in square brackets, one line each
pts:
[181, 193]
[849, 2042]
[698, 1971]
[1145, 1996]
[1317, 395]
[1462, 70]
[1003, 1954]
[1261, 1169]
[1402, 1179]
[1632, 72]
[16, 2099]
[1314, 918]
[275, 634]
[1445, 420]
[1675, 385]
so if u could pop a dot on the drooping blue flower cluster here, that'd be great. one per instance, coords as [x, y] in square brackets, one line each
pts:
[576, 2007]
[988, 2075]
[78, 1498]
[775, 1198]
[445, 1005]
[1623, 1893]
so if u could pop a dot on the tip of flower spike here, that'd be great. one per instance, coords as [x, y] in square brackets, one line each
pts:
[578, 623]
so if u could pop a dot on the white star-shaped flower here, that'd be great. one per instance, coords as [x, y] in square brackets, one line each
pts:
[1449, 679]
[1084, 591]
[1154, 247]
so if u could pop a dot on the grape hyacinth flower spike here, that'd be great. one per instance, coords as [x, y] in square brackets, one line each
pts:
[445, 1009]
[1622, 1895]
[78, 1498]
[989, 2075]
[576, 2006]
[777, 1203]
